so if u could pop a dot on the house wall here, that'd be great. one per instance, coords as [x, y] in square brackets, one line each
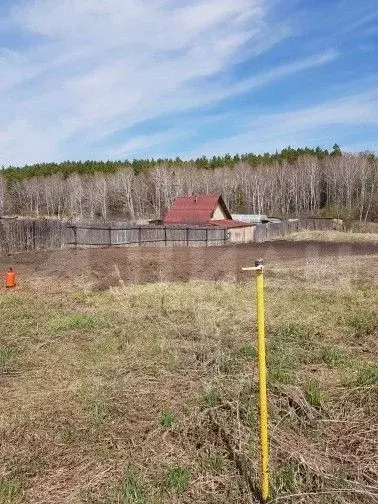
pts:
[218, 213]
[242, 234]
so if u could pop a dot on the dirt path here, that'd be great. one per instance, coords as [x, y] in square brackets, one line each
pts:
[101, 268]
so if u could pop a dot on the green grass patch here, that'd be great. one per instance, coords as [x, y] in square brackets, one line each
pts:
[211, 398]
[7, 360]
[176, 479]
[296, 334]
[294, 343]
[314, 394]
[367, 375]
[285, 480]
[335, 357]
[133, 491]
[216, 462]
[232, 362]
[363, 324]
[166, 418]
[291, 345]
[77, 322]
[68, 435]
[248, 351]
[99, 410]
[282, 374]
[10, 491]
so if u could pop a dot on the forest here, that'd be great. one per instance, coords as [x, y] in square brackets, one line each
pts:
[291, 183]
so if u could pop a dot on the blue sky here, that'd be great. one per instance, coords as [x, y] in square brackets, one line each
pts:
[117, 79]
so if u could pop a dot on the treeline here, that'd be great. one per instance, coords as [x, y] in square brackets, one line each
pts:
[66, 168]
[309, 184]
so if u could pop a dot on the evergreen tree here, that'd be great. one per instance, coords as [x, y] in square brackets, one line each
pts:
[336, 150]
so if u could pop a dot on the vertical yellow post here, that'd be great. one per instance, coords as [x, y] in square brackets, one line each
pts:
[259, 268]
[262, 381]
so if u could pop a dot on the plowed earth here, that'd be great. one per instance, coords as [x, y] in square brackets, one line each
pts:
[99, 269]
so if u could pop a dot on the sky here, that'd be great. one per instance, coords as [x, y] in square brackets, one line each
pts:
[124, 79]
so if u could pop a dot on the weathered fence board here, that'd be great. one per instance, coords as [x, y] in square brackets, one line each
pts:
[82, 235]
[274, 230]
[20, 235]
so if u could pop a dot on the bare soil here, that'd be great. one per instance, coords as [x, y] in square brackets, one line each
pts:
[101, 268]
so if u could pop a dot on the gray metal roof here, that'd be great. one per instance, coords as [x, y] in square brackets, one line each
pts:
[250, 218]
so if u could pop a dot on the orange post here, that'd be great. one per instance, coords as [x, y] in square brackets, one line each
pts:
[10, 279]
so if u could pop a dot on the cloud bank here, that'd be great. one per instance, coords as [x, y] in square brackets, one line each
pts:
[80, 78]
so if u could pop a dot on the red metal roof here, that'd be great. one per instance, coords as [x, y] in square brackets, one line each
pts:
[195, 209]
[227, 223]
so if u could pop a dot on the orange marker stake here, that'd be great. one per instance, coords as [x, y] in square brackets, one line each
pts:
[10, 279]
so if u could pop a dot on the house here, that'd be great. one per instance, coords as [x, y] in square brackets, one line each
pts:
[197, 210]
[208, 211]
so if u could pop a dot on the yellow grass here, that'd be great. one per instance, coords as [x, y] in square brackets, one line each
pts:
[334, 236]
[147, 394]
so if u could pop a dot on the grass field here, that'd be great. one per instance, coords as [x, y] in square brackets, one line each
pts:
[335, 236]
[147, 393]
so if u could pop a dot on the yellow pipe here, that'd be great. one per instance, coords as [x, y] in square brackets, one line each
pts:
[259, 268]
[262, 382]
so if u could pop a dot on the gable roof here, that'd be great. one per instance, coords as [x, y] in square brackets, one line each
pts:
[195, 209]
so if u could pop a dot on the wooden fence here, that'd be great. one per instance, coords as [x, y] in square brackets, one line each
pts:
[82, 235]
[21, 235]
[275, 230]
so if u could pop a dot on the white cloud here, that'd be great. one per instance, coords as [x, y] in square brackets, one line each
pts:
[21, 138]
[350, 110]
[98, 66]
[283, 70]
[143, 142]
[298, 128]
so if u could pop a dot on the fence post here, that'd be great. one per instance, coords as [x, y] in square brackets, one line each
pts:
[75, 235]
[139, 236]
[165, 236]
[187, 237]
[110, 236]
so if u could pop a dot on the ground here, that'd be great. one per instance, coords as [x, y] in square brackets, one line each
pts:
[128, 376]
[99, 269]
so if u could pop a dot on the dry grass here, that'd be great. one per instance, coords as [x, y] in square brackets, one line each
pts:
[147, 394]
[334, 236]
[365, 227]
